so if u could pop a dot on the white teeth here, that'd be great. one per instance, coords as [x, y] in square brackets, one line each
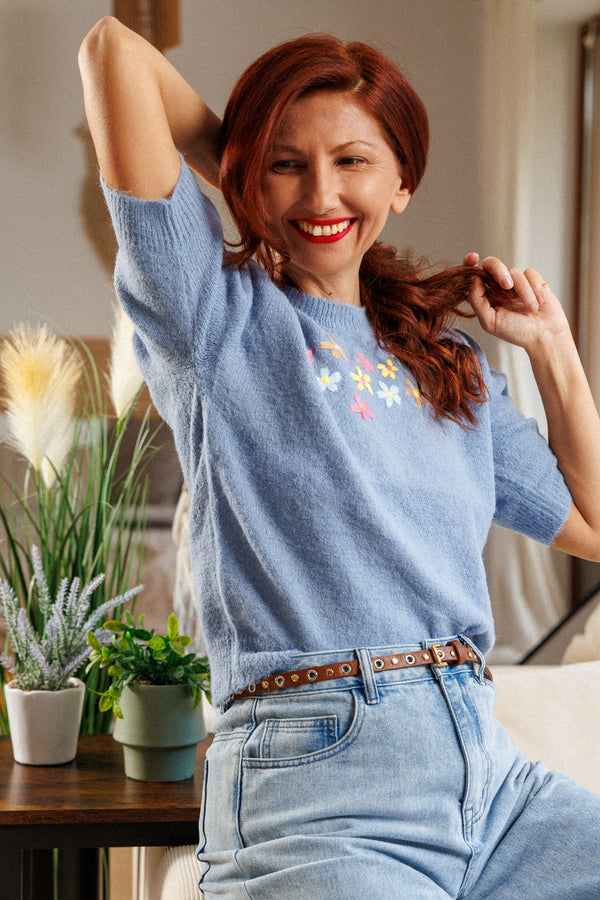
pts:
[324, 230]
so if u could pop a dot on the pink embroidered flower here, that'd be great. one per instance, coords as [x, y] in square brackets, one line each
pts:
[365, 363]
[362, 408]
[311, 355]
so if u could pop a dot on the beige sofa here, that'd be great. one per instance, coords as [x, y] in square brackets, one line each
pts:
[551, 712]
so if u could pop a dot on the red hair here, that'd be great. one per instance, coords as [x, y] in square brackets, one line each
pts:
[409, 313]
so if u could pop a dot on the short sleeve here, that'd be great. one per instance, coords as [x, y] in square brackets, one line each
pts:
[531, 494]
[169, 264]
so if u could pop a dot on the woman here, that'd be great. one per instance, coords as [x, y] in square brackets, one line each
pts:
[345, 451]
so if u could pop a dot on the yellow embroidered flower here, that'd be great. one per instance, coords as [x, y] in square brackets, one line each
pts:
[388, 369]
[363, 380]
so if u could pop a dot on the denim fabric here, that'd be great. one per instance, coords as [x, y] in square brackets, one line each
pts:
[397, 783]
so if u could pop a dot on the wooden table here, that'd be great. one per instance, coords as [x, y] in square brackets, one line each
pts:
[88, 803]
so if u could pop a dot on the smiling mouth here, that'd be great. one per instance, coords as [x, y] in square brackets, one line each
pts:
[323, 232]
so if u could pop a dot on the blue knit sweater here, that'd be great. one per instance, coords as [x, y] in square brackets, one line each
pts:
[329, 509]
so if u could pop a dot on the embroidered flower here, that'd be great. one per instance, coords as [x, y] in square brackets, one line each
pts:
[311, 355]
[365, 363]
[412, 391]
[363, 380]
[328, 381]
[336, 350]
[362, 408]
[388, 369]
[389, 393]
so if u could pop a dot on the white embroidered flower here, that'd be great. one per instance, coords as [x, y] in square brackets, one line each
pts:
[329, 381]
[389, 393]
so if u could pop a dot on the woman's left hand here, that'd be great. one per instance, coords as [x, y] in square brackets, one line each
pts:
[531, 311]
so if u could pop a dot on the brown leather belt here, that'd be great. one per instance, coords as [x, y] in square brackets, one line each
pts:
[452, 654]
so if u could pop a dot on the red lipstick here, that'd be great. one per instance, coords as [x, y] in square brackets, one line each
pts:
[323, 231]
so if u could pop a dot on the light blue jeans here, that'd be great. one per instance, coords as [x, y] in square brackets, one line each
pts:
[385, 785]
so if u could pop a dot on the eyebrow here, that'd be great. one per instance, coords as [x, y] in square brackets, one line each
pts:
[288, 148]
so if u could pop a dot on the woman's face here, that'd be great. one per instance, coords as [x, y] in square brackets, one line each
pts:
[330, 181]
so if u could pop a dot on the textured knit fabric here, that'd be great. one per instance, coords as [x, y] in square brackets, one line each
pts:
[328, 508]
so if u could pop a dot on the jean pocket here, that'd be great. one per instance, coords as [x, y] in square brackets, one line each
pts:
[286, 738]
[302, 731]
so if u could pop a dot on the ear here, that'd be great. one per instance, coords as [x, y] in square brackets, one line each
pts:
[400, 201]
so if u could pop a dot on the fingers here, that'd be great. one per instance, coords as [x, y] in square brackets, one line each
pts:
[499, 271]
[530, 287]
[471, 259]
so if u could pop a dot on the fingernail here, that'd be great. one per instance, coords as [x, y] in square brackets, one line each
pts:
[507, 283]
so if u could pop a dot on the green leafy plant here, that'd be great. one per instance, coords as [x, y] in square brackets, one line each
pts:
[136, 654]
[84, 493]
[45, 659]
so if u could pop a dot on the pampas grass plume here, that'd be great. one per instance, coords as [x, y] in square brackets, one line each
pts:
[41, 375]
[125, 378]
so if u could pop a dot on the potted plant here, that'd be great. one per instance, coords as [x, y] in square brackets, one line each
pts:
[44, 699]
[83, 495]
[155, 693]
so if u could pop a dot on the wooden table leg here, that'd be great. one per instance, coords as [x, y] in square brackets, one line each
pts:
[29, 874]
[79, 872]
[37, 874]
[10, 872]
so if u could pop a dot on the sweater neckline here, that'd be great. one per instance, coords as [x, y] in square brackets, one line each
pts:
[327, 312]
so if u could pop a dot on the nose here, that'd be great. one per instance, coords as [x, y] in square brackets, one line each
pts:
[321, 188]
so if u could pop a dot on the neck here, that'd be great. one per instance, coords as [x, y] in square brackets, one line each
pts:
[341, 290]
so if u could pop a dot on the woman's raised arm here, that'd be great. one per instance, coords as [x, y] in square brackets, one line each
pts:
[141, 112]
[537, 323]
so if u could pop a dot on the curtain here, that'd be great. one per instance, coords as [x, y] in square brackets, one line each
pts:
[589, 307]
[528, 597]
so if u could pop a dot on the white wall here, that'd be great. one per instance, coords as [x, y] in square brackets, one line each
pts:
[50, 268]
[553, 182]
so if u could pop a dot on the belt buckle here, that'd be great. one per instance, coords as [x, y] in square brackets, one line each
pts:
[438, 660]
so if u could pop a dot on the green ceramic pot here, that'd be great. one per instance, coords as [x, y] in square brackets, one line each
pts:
[159, 732]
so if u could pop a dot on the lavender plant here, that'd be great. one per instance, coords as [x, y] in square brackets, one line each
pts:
[45, 658]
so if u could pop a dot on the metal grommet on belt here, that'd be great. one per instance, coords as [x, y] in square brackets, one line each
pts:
[454, 653]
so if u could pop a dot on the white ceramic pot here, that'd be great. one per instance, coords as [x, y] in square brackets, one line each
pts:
[44, 725]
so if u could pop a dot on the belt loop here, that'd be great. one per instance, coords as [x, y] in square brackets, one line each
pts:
[369, 682]
[478, 654]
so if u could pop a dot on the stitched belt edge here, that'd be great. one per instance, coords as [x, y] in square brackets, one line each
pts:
[452, 654]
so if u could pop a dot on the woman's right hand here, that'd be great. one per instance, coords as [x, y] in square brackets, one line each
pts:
[141, 112]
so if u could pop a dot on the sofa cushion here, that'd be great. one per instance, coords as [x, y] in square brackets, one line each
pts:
[552, 713]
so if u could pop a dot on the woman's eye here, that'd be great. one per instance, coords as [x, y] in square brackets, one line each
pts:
[285, 165]
[350, 161]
